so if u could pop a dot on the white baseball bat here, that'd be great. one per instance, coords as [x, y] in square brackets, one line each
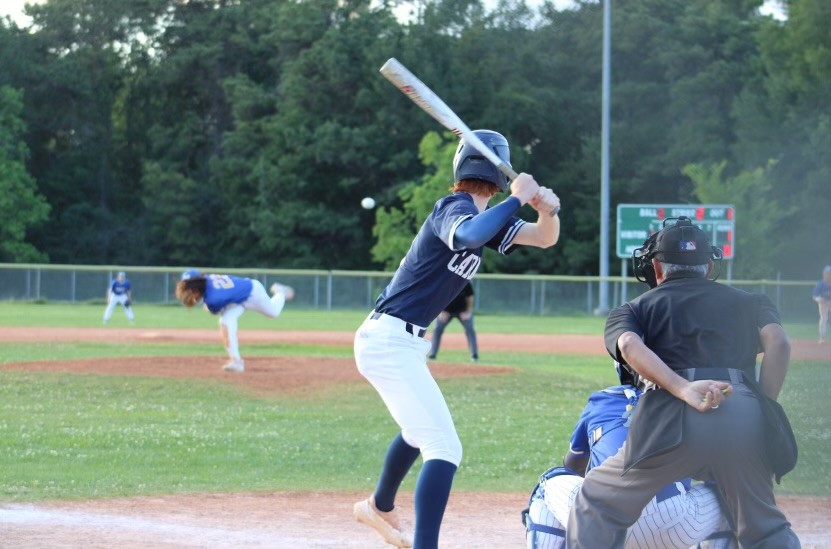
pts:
[432, 104]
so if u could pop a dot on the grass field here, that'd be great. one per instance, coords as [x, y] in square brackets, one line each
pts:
[81, 436]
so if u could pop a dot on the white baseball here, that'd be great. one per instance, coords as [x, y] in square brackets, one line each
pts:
[368, 203]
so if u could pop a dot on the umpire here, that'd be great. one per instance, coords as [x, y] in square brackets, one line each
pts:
[691, 340]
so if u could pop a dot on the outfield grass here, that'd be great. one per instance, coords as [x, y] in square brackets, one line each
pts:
[81, 436]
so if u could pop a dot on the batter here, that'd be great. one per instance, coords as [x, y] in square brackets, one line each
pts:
[390, 349]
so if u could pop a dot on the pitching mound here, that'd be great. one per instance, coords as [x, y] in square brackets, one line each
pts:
[262, 376]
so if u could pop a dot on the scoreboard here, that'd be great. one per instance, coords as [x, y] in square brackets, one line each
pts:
[635, 222]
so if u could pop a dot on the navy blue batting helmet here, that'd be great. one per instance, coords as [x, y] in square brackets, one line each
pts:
[470, 164]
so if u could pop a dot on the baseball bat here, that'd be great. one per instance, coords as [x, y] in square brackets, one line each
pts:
[432, 104]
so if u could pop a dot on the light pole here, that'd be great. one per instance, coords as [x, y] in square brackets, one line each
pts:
[603, 301]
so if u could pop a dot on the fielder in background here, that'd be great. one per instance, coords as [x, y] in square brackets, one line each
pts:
[822, 295]
[681, 515]
[390, 349]
[462, 308]
[694, 342]
[119, 292]
[229, 296]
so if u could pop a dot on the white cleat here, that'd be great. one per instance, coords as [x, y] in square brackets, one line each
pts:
[386, 524]
[235, 366]
[287, 291]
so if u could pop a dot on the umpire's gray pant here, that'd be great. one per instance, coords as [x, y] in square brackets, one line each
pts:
[723, 445]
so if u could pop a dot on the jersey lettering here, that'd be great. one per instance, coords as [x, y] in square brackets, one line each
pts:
[222, 281]
[464, 264]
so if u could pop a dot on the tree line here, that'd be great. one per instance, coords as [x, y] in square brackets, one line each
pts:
[245, 132]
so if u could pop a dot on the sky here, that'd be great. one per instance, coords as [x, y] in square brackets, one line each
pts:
[14, 8]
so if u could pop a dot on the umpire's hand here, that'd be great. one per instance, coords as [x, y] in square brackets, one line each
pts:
[706, 394]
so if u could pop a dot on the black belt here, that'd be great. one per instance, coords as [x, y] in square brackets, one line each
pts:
[411, 328]
[724, 374]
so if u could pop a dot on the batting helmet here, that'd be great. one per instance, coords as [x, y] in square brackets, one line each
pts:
[681, 243]
[470, 164]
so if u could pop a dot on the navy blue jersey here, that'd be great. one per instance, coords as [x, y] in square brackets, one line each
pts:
[223, 290]
[119, 288]
[434, 271]
[602, 428]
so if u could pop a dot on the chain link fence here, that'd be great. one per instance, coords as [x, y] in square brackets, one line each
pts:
[320, 289]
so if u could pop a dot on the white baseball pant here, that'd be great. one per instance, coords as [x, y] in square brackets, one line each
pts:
[676, 522]
[258, 301]
[394, 361]
[118, 299]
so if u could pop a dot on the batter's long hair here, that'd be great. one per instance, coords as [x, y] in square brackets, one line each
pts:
[191, 291]
[475, 186]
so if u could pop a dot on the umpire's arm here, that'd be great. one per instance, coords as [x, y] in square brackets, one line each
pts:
[777, 349]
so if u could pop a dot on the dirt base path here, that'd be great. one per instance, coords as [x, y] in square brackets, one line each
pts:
[290, 519]
[538, 343]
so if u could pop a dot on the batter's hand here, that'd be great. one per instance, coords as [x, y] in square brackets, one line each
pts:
[706, 394]
[525, 188]
[545, 201]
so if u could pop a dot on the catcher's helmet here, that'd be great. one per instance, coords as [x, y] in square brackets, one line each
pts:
[681, 243]
[470, 164]
[191, 273]
[627, 375]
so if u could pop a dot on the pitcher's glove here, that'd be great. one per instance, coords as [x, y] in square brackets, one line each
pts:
[128, 303]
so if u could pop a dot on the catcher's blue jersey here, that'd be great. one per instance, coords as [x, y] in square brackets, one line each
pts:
[223, 290]
[434, 271]
[119, 288]
[602, 428]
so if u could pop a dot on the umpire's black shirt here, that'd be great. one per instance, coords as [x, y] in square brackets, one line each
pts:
[692, 322]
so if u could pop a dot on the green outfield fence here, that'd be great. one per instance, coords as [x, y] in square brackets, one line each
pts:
[322, 289]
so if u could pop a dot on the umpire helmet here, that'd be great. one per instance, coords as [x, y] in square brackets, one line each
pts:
[470, 164]
[681, 243]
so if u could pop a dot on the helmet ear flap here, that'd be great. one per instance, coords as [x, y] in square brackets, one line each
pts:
[642, 261]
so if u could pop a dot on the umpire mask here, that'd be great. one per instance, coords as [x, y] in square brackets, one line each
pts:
[681, 243]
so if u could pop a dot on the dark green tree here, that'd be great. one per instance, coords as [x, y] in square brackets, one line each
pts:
[21, 205]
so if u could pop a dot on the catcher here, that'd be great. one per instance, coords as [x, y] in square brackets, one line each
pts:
[681, 515]
[229, 296]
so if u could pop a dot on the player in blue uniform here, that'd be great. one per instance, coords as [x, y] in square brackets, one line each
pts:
[822, 295]
[390, 349]
[229, 296]
[119, 292]
[681, 515]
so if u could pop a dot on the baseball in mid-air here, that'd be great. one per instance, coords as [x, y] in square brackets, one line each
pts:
[368, 203]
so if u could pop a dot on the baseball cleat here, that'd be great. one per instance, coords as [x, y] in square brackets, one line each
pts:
[235, 366]
[288, 291]
[386, 524]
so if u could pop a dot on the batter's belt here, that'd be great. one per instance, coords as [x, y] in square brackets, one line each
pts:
[412, 329]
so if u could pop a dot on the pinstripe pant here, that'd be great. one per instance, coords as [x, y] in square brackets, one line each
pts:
[723, 445]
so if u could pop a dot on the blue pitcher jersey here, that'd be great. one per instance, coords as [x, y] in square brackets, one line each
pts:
[223, 290]
[434, 270]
